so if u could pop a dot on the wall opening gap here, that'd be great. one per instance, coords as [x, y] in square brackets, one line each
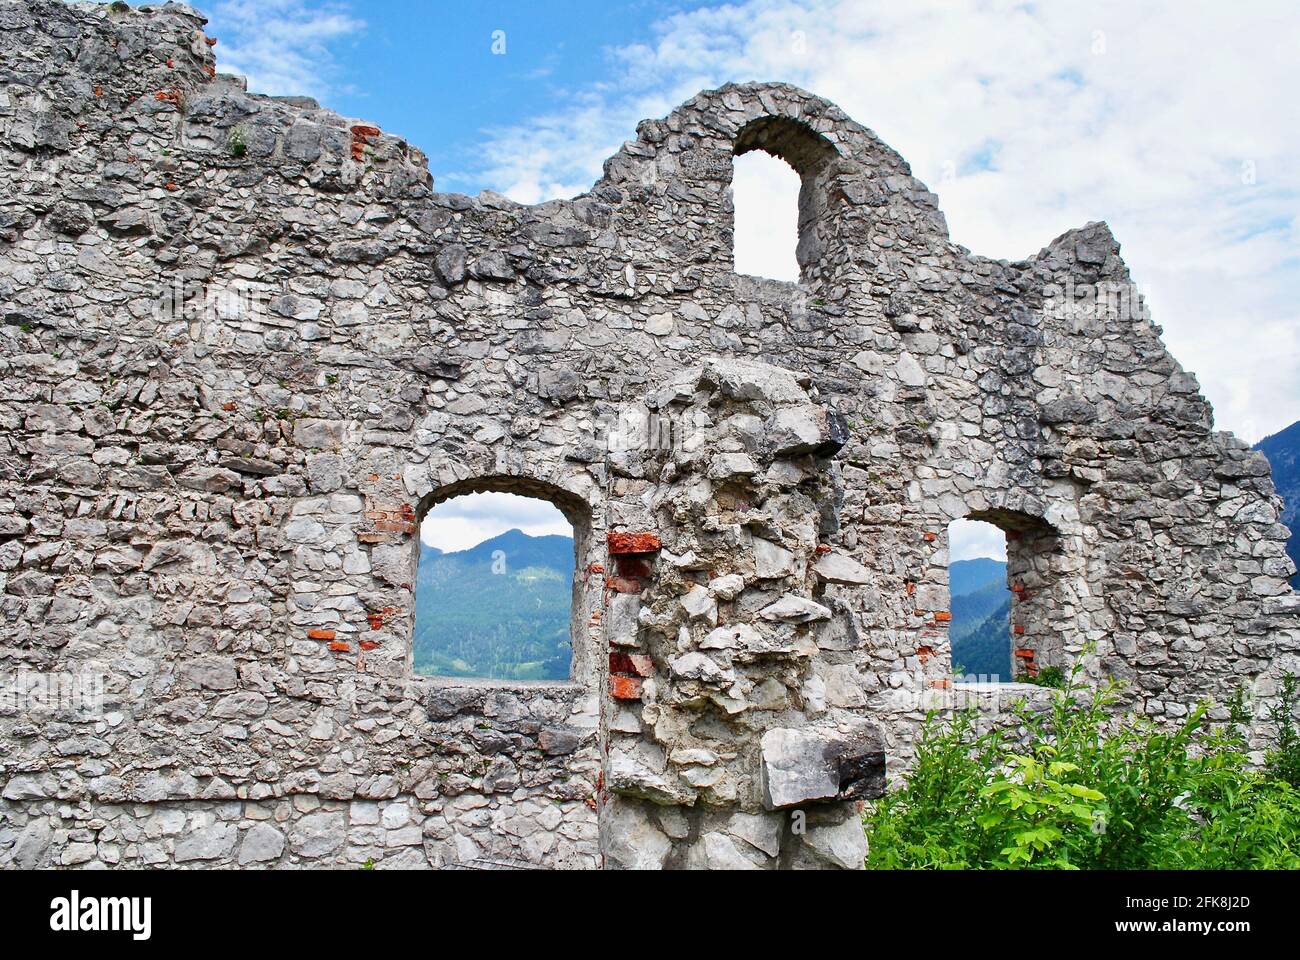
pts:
[765, 197]
[494, 589]
[980, 632]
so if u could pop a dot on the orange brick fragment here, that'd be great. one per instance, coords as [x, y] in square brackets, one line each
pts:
[625, 688]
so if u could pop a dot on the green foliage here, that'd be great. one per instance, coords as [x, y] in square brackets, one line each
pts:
[1086, 790]
[1284, 759]
[1048, 677]
[238, 140]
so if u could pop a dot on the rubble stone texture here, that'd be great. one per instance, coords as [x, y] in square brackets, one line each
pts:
[245, 345]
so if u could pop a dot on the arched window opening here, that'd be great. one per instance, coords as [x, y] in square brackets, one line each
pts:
[1006, 598]
[779, 188]
[494, 589]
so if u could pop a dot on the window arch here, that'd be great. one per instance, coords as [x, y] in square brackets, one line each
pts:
[761, 198]
[1006, 599]
[514, 604]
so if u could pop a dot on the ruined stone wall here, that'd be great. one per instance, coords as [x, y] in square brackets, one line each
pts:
[245, 345]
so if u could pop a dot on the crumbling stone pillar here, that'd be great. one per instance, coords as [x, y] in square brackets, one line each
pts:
[735, 735]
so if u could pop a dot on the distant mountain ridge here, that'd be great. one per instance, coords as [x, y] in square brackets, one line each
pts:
[980, 631]
[498, 610]
[1283, 453]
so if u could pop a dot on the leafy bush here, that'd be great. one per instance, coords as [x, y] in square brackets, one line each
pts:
[1086, 789]
[1048, 677]
[1284, 760]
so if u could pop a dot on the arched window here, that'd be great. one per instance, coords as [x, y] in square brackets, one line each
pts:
[780, 181]
[494, 588]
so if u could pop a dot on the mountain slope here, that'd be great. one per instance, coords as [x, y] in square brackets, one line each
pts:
[965, 576]
[498, 610]
[1283, 453]
[986, 649]
[981, 613]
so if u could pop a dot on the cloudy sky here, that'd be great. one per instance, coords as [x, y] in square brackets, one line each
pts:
[466, 521]
[1175, 122]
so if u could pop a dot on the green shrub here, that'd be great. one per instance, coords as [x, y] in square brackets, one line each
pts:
[1086, 789]
[1284, 759]
[1048, 677]
[238, 140]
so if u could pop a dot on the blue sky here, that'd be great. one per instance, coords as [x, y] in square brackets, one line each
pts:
[442, 75]
[1175, 122]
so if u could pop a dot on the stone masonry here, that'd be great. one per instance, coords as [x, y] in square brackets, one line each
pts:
[245, 345]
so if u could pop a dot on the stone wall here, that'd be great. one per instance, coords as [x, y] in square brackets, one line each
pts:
[245, 345]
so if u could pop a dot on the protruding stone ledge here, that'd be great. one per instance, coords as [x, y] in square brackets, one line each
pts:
[818, 766]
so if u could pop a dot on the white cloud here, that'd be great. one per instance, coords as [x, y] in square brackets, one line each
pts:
[283, 47]
[466, 521]
[1172, 122]
[969, 539]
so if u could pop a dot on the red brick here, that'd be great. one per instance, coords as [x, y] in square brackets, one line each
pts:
[625, 542]
[394, 526]
[942, 684]
[361, 136]
[1018, 629]
[625, 688]
[925, 653]
[943, 616]
[372, 537]
[340, 646]
[370, 645]
[623, 585]
[931, 537]
[320, 634]
[1025, 653]
[596, 568]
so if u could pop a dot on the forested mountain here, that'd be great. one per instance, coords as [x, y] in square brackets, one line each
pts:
[498, 610]
[1283, 452]
[981, 613]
